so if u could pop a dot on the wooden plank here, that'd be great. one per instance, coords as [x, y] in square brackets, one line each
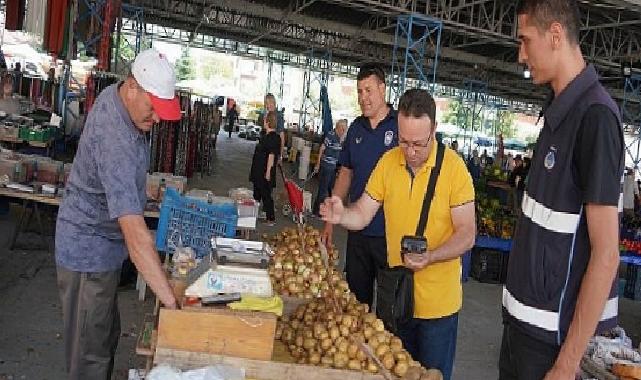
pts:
[257, 369]
[145, 345]
[40, 144]
[224, 332]
[11, 140]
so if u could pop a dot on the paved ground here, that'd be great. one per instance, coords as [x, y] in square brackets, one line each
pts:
[30, 314]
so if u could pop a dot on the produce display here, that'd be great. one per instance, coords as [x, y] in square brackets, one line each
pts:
[332, 329]
[297, 268]
[493, 219]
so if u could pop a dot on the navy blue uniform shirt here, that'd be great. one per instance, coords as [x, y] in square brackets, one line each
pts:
[362, 149]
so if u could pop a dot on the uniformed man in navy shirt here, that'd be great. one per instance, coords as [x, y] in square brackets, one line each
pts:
[560, 287]
[369, 136]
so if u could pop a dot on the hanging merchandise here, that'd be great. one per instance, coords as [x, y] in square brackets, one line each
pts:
[14, 14]
[36, 15]
[96, 82]
[56, 23]
[185, 147]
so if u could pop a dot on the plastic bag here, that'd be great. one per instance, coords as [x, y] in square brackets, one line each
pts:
[219, 372]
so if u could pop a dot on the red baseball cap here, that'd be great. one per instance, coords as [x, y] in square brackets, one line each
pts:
[155, 74]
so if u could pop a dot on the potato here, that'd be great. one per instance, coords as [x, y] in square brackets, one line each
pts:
[413, 373]
[354, 364]
[396, 345]
[345, 331]
[326, 344]
[382, 350]
[340, 360]
[369, 318]
[308, 334]
[368, 332]
[378, 325]
[299, 340]
[432, 374]
[388, 361]
[328, 361]
[343, 346]
[360, 355]
[400, 356]
[334, 333]
[401, 369]
[314, 358]
[352, 350]
[309, 344]
[371, 367]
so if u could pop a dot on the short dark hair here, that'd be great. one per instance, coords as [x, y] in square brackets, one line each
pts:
[544, 12]
[368, 70]
[271, 119]
[270, 95]
[417, 103]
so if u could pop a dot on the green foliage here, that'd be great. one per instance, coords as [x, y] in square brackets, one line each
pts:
[463, 117]
[211, 67]
[185, 66]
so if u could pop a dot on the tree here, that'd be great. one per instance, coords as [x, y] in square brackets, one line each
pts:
[463, 116]
[505, 124]
[185, 66]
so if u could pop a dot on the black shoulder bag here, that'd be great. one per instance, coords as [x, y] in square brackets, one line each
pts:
[395, 286]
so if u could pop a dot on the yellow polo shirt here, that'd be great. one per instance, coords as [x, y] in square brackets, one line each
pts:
[437, 288]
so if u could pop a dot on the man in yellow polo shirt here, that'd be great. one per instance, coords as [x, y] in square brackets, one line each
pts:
[399, 183]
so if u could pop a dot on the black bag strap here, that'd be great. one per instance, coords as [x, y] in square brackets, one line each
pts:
[429, 193]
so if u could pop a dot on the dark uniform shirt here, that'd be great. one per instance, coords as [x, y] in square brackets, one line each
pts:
[578, 160]
[362, 149]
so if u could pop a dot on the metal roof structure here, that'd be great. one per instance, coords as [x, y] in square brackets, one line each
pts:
[479, 36]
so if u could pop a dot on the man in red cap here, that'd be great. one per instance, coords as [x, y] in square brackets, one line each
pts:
[101, 221]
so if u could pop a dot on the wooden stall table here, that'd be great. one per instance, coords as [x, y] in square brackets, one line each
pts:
[34, 202]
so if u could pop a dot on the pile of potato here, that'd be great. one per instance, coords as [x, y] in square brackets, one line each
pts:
[297, 268]
[329, 329]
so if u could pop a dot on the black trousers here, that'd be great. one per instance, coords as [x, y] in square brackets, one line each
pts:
[524, 357]
[263, 194]
[365, 255]
[91, 322]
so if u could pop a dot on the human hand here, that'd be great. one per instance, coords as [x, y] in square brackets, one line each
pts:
[332, 209]
[558, 373]
[268, 176]
[169, 300]
[417, 261]
[326, 235]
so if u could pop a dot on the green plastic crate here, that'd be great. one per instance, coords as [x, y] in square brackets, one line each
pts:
[40, 135]
[24, 133]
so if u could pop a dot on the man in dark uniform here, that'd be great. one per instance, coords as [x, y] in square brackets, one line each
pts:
[368, 138]
[560, 286]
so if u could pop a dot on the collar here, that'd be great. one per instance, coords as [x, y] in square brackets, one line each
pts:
[122, 111]
[391, 114]
[558, 108]
[429, 163]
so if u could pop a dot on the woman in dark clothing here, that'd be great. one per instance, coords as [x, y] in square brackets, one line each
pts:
[518, 177]
[263, 169]
[232, 116]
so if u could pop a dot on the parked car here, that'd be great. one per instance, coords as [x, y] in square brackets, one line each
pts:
[253, 133]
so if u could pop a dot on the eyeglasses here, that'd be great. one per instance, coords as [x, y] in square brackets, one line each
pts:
[415, 145]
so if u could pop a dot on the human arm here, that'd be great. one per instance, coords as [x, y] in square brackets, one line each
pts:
[320, 156]
[340, 190]
[462, 240]
[282, 146]
[270, 165]
[356, 217]
[143, 254]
